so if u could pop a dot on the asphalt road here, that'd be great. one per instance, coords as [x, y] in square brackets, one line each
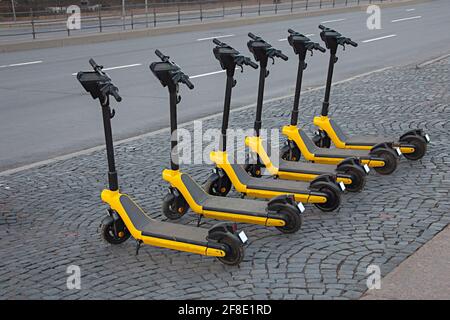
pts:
[44, 112]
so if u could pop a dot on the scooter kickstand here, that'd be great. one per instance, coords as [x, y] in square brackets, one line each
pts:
[138, 246]
[199, 220]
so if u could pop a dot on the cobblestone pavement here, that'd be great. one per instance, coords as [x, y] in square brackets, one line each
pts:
[49, 216]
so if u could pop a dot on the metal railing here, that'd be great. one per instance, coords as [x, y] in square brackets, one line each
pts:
[51, 23]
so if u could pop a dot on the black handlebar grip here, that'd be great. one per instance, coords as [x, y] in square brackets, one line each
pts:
[283, 56]
[217, 42]
[93, 63]
[160, 55]
[319, 47]
[252, 64]
[115, 93]
[322, 27]
[352, 43]
[188, 82]
[251, 35]
[291, 31]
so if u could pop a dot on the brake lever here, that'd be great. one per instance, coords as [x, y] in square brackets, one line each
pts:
[273, 60]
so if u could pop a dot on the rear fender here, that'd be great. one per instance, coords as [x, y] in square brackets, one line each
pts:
[107, 220]
[283, 199]
[349, 161]
[383, 145]
[415, 132]
[324, 178]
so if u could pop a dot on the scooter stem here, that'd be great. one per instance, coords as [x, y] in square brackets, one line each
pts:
[226, 111]
[112, 173]
[298, 88]
[326, 101]
[173, 128]
[259, 103]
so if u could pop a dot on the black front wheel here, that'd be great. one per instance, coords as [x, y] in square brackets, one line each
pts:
[290, 152]
[115, 232]
[358, 176]
[420, 147]
[333, 195]
[218, 186]
[292, 218]
[390, 161]
[235, 251]
[174, 207]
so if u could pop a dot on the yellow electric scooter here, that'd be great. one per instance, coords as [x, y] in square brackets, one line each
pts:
[127, 219]
[350, 171]
[382, 157]
[322, 191]
[184, 193]
[413, 143]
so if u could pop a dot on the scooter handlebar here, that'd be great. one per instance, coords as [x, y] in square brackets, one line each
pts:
[160, 55]
[217, 42]
[187, 82]
[95, 66]
[352, 43]
[282, 56]
[251, 35]
[319, 47]
[322, 27]
[291, 31]
[115, 93]
[251, 64]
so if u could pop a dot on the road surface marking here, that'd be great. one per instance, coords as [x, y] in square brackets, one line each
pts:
[404, 19]
[206, 74]
[150, 134]
[379, 38]
[306, 35]
[217, 37]
[20, 64]
[116, 68]
[336, 20]
[408, 10]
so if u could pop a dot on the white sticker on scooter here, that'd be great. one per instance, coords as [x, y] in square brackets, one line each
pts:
[427, 137]
[301, 207]
[398, 151]
[342, 185]
[366, 168]
[243, 237]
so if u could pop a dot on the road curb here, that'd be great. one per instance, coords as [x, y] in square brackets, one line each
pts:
[90, 150]
[132, 34]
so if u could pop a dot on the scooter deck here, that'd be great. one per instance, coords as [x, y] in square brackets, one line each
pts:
[286, 186]
[332, 152]
[165, 230]
[222, 204]
[360, 140]
[306, 167]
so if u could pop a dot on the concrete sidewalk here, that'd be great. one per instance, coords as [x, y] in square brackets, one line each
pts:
[425, 275]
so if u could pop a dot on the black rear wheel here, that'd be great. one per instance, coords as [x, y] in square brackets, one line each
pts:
[358, 177]
[390, 161]
[174, 207]
[420, 147]
[292, 218]
[333, 198]
[115, 232]
[235, 253]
